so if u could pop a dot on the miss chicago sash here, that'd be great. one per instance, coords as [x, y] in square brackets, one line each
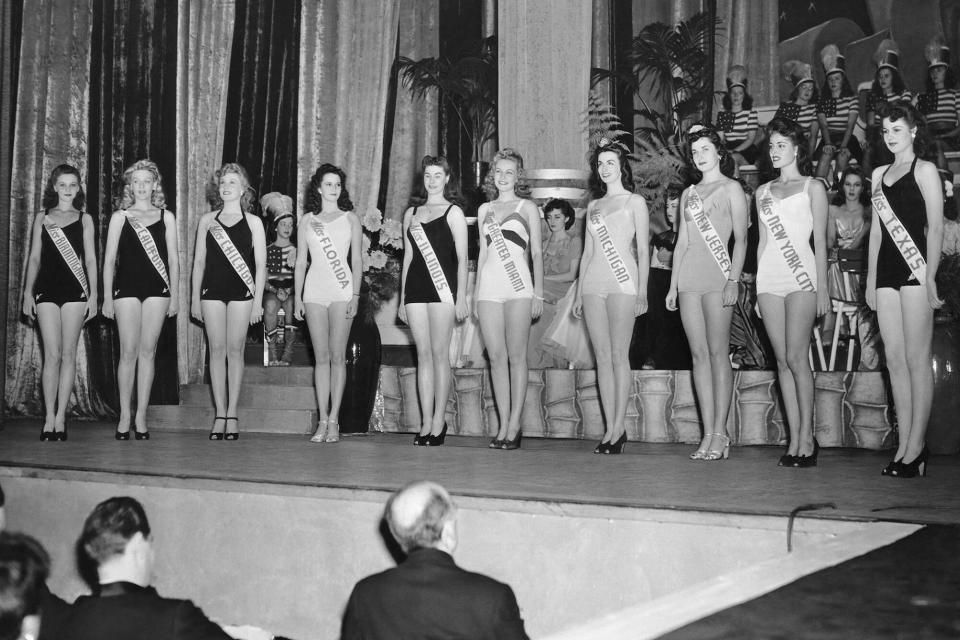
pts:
[716, 245]
[611, 255]
[329, 252]
[905, 244]
[150, 247]
[69, 256]
[502, 251]
[232, 254]
[780, 239]
[430, 259]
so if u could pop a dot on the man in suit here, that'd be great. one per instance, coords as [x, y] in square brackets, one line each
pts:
[428, 595]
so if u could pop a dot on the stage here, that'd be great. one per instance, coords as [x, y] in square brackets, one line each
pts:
[289, 526]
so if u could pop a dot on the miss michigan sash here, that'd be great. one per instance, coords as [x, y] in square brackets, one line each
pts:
[150, 247]
[233, 255]
[329, 252]
[62, 243]
[433, 263]
[779, 238]
[905, 244]
[716, 245]
[501, 250]
[611, 255]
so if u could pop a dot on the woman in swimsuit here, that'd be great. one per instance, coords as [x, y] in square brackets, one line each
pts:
[138, 278]
[228, 293]
[60, 289]
[328, 293]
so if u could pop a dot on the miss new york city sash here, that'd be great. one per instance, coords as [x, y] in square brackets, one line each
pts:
[611, 255]
[716, 245]
[779, 238]
[150, 247]
[233, 255]
[69, 256]
[905, 244]
[430, 259]
[329, 252]
[501, 250]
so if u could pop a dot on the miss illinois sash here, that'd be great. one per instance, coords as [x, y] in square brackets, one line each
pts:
[501, 250]
[433, 263]
[716, 245]
[329, 252]
[69, 256]
[611, 255]
[905, 244]
[778, 238]
[150, 247]
[232, 254]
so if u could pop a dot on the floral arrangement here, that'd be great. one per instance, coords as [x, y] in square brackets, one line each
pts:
[381, 252]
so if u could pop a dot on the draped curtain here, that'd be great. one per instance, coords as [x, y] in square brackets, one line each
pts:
[750, 36]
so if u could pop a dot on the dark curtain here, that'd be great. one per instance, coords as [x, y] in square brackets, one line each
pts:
[261, 123]
[132, 116]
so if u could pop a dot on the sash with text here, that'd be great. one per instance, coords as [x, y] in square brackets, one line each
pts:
[501, 250]
[233, 255]
[433, 263]
[611, 255]
[329, 252]
[716, 245]
[779, 238]
[901, 237]
[150, 248]
[62, 243]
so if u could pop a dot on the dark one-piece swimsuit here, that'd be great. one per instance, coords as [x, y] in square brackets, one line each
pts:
[55, 281]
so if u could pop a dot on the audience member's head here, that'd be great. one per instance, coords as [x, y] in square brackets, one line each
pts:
[116, 537]
[24, 567]
[422, 516]
[565, 209]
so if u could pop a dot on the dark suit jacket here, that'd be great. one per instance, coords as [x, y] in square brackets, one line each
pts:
[125, 611]
[428, 596]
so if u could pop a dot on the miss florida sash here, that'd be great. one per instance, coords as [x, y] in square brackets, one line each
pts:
[150, 248]
[329, 252]
[779, 238]
[233, 255]
[905, 244]
[501, 250]
[433, 263]
[611, 255]
[69, 256]
[716, 245]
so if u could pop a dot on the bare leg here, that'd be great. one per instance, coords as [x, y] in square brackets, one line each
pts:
[238, 322]
[151, 323]
[890, 319]
[598, 327]
[339, 325]
[695, 326]
[517, 320]
[773, 311]
[801, 312]
[48, 318]
[620, 315]
[418, 319]
[718, 319]
[493, 329]
[318, 325]
[442, 318]
[72, 315]
[918, 336]
[215, 324]
[128, 315]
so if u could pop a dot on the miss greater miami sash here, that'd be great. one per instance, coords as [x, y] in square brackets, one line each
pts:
[69, 256]
[150, 247]
[501, 250]
[905, 244]
[232, 254]
[716, 245]
[779, 238]
[430, 259]
[329, 252]
[611, 255]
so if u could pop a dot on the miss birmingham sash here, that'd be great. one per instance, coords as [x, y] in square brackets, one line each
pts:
[708, 232]
[501, 249]
[780, 239]
[329, 252]
[905, 244]
[69, 256]
[150, 248]
[233, 255]
[612, 256]
[433, 263]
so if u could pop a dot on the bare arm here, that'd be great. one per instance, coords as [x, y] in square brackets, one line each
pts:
[173, 263]
[199, 264]
[458, 228]
[873, 249]
[536, 256]
[90, 263]
[679, 251]
[110, 259]
[356, 262]
[818, 205]
[300, 267]
[482, 255]
[33, 266]
[641, 221]
[851, 123]
[584, 262]
[932, 190]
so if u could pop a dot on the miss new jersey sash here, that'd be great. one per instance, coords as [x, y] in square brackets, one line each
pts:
[69, 256]
[150, 248]
[329, 252]
[905, 244]
[716, 245]
[233, 255]
[502, 251]
[611, 255]
[779, 238]
[433, 263]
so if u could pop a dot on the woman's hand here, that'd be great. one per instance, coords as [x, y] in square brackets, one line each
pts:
[292, 257]
[91, 309]
[577, 309]
[352, 307]
[195, 310]
[461, 308]
[870, 296]
[107, 309]
[172, 309]
[843, 154]
[671, 300]
[256, 313]
[731, 291]
[829, 150]
[641, 307]
[29, 307]
[823, 302]
[298, 308]
[536, 308]
[402, 313]
[933, 296]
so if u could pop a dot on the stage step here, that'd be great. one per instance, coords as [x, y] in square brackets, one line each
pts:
[184, 418]
[275, 395]
[285, 376]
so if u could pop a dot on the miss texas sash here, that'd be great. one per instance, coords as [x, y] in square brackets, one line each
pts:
[501, 250]
[611, 255]
[329, 252]
[430, 259]
[716, 245]
[780, 240]
[905, 244]
[150, 248]
[232, 254]
[69, 256]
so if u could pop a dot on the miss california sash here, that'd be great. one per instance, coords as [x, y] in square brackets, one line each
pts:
[69, 256]
[433, 263]
[501, 250]
[611, 255]
[233, 255]
[150, 247]
[905, 244]
[779, 238]
[708, 232]
[329, 252]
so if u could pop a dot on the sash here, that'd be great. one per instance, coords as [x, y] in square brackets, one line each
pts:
[905, 244]
[780, 240]
[612, 256]
[716, 245]
[233, 255]
[150, 248]
[433, 263]
[502, 251]
[329, 252]
[69, 256]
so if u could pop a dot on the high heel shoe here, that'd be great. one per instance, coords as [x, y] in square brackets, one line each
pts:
[913, 469]
[496, 443]
[896, 463]
[700, 454]
[217, 435]
[122, 435]
[436, 440]
[601, 447]
[510, 445]
[61, 435]
[141, 435]
[48, 435]
[719, 454]
[321, 431]
[617, 446]
[333, 432]
[805, 462]
[231, 435]
[787, 460]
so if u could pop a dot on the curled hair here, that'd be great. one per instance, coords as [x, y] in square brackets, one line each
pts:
[904, 110]
[314, 201]
[840, 198]
[598, 188]
[814, 97]
[109, 527]
[24, 568]
[489, 182]
[50, 197]
[674, 191]
[898, 86]
[451, 190]
[845, 89]
[157, 199]
[249, 197]
[426, 529]
[564, 207]
[795, 133]
[728, 166]
[949, 80]
[727, 102]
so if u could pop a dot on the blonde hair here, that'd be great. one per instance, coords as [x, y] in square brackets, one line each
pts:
[489, 184]
[157, 199]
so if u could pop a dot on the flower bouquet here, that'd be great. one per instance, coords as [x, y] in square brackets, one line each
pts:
[381, 251]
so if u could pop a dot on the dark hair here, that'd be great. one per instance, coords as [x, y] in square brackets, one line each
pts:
[949, 80]
[796, 91]
[569, 217]
[674, 191]
[109, 527]
[840, 198]
[24, 568]
[845, 89]
[728, 103]
[597, 187]
[50, 197]
[898, 85]
[426, 530]
[489, 183]
[249, 197]
[728, 166]
[904, 110]
[451, 190]
[790, 129]
[314, 201]
[272, 228]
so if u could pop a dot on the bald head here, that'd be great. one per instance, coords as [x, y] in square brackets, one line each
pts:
[417, 515]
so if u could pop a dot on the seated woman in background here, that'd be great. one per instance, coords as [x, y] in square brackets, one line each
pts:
[278, 292]
[837, 113]
[941, 102]
[887, 88]
[738, 121]
[802, 105]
